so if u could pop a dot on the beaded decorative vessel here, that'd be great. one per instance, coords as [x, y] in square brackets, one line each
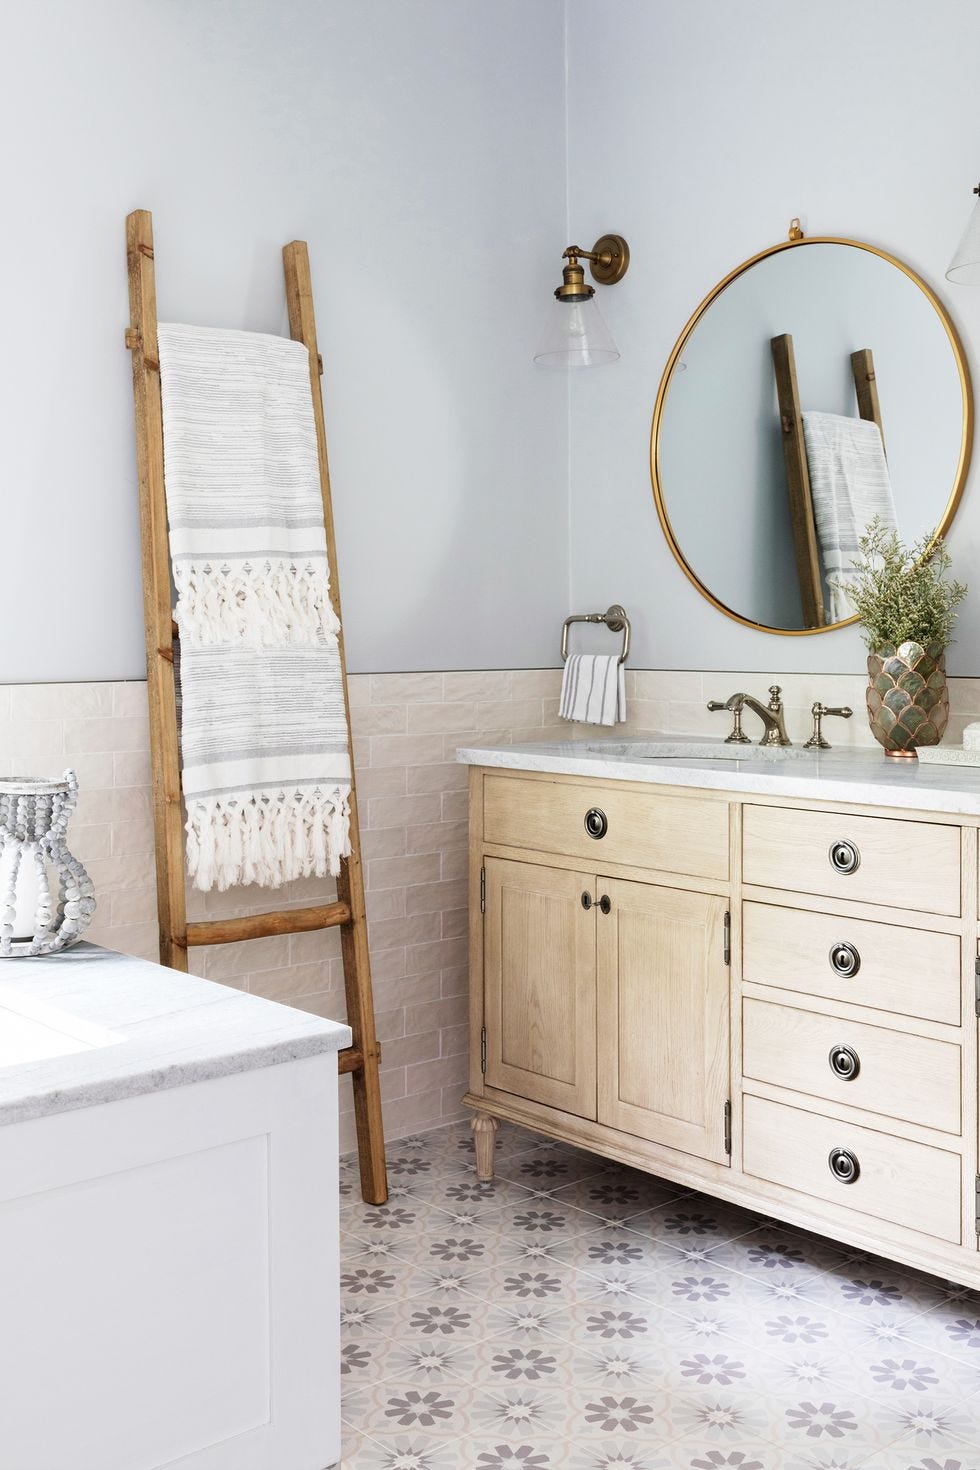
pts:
[908, 700]
[33, 825]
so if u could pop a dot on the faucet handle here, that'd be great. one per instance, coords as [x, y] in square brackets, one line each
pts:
[818, 740]
[738, 735]
[775, 690]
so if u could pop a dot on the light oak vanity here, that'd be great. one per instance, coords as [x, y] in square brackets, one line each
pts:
[759, 980]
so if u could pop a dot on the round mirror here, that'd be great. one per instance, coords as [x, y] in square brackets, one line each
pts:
[820, 385]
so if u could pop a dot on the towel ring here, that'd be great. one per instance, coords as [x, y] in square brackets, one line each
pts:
[615, 620]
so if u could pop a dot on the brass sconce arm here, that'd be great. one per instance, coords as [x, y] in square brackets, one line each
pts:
[608, 260]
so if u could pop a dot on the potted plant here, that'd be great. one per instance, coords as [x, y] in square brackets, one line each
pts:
[906, 604]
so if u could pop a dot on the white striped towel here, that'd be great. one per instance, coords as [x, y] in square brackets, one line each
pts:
[593, 689]
[850, 485]
[263, 731]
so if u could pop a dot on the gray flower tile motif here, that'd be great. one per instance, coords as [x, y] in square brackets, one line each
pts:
[607, 1322]
[369, 1281]
[434, 1409]
[426, 1360]
[420, 1319]
[618, 1454]
[752, 1455]
[823, 1418]
[614, 1197]
[460, 1192]
[613, 1245]
[615, 1411]
[807, 1373]
[613, 1365]
[533, 1250]
[404, 1452]
[902, 1455]
[949, 1330]
[359, 1359]
[705, 1325]
[545, 1170]
[494, 1455]
[870, 1285]
[616, 1284]
[520, 1411]
[379, 1249]
[926, 1423]
[360, 1318]
[399, 1219]
[506, 1362]
[537, 1282]
[536, 1322]
[722, 1416]
[542, 1217]
[451, 1282]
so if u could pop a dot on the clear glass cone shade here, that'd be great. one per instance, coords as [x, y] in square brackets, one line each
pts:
[964, 268]
[576, 336]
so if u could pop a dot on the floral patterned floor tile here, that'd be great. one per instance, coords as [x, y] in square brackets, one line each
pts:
[459, 1191]
[376, 1281]
[752, 1454]
[439, 1411]
[929, 1425]
[903, 1454]
[546, 1169]
[509, 1361]
[418, 1451]
[618, 1195]
[615, 1245]
[949, 1330]
[694, 1223]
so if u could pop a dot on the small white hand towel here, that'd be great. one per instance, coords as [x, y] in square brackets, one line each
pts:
[593, 689]
[850, 485]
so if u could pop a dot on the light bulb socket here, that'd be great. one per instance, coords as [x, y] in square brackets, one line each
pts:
[573, 287]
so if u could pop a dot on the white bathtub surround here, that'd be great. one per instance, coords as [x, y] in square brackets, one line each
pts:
[168, 1222]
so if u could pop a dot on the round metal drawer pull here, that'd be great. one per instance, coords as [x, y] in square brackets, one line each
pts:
[605, 903]
[586, 900]
[844, 856]
[596, 822]
[844, 959]
[844, 1062]
[844, 1165]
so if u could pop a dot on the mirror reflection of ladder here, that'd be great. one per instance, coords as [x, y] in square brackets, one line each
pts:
[809, 565]
[347, 913]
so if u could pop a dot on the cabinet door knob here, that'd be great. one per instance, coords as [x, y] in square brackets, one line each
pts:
[844, 1165]
[844, 856]
[844, 1062]
[596, 822]
[605, 903]
[586, 900]
[844, 959]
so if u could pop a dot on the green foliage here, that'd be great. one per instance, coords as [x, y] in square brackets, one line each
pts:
[901, 593]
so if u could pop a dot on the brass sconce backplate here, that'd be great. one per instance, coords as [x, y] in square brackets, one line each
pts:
[610, 258]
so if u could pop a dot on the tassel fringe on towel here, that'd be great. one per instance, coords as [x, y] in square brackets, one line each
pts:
[239, 838]
[271, 604]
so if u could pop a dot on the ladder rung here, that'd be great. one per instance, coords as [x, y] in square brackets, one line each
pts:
[349, 1060]
[261, 926]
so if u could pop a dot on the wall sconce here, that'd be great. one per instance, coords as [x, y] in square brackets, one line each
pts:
[575, 334]
[964, 268]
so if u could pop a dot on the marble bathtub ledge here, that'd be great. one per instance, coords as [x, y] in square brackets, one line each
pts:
[858, 777]
[172, 1029]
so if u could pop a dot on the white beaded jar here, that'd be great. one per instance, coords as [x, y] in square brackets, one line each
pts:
[33, 826]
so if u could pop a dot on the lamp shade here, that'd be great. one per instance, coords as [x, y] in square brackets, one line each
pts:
[576, 336]
[964, 268]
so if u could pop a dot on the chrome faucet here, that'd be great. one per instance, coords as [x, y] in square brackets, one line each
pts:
[771, 716]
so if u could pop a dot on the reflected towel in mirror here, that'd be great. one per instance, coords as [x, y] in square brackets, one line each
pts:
[593, 689]
[850, 486]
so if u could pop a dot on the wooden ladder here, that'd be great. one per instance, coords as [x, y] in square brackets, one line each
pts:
[177, 936]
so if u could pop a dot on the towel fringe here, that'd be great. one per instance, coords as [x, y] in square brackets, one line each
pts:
[270, 604]
[234, 839]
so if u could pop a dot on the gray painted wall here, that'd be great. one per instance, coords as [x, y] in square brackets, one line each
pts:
[419, 149]
[697, 130]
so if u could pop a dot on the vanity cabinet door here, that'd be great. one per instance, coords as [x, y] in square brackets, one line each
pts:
[663, 1016]
[539, 977]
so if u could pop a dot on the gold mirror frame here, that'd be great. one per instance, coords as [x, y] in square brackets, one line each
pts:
[966, 440]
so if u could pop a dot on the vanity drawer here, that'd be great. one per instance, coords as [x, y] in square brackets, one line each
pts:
[907, 865]
[643, 829]
[907, 1184]
[912, 972]
[912, 1078]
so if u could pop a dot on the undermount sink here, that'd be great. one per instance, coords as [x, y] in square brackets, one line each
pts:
[32, 1031]
[696, 750]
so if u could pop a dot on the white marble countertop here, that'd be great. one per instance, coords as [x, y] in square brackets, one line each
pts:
[126, 1027]
[858, 777]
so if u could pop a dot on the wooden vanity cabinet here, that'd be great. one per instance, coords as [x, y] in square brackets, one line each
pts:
[704, 985]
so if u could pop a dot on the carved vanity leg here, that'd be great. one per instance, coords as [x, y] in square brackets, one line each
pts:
[484, 1141]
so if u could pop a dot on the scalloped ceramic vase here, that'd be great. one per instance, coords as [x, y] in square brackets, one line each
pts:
[908, 698]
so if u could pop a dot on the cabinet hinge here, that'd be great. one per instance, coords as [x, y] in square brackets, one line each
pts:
[483, 890]
[976, 985]
[976, 1200]
[728, 939]
[728, 1126]
[483, 1049]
